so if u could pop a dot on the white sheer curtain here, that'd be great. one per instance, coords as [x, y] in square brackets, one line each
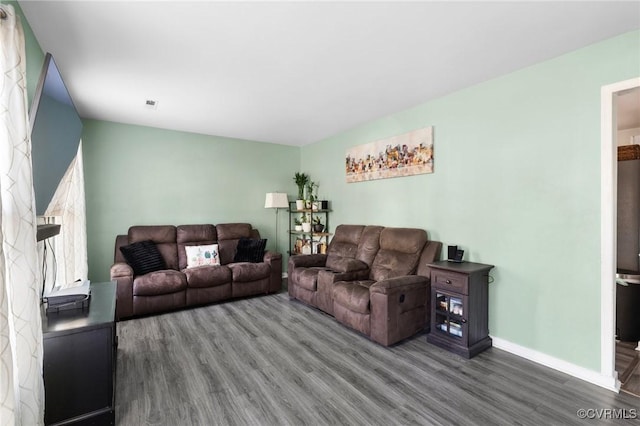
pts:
[21, 383]
[67, 208]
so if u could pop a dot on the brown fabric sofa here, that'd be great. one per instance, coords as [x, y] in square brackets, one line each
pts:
[372, 279]
[178, 286]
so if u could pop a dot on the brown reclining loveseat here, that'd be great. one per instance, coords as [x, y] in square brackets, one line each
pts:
[372, 279]
[177, 286]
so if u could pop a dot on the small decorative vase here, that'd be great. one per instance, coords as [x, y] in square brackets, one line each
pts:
[318, 227]
[306, 248]
[314, 205]
[306, 227]
[299, 204]
[298, 228]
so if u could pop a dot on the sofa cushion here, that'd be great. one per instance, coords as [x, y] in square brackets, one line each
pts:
[228, 236]
[353, 295]
[345, 264]
[186, 234]
[156, 283]
[400, 250]
[307, 278]
[193, 235]
[208, 276]
[165, 238]
[250, 250]
[202, 255]
[246, 272]
[369, 244]
[143, 257]
[345, 241]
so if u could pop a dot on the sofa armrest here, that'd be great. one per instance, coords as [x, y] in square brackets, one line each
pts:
[326, 280]
[123, 275]
[399, 284]
[272, 256]
[121, 270]
[399, 308]
[307, 261]
[346, 264]
[274, 259]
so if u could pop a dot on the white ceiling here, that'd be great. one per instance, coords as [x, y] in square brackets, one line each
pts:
[297, 72]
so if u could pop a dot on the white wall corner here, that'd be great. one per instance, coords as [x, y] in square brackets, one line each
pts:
[591, 376]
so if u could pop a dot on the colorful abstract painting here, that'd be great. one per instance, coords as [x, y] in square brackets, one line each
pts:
[403, 155]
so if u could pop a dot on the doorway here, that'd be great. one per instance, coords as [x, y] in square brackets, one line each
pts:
[609, 102]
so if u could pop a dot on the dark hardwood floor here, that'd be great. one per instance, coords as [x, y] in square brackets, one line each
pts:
[628, 367]
[270, 361]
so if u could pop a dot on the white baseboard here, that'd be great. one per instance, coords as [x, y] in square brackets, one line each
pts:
[610, 383]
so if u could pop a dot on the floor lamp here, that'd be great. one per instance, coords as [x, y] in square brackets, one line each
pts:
[276, 200]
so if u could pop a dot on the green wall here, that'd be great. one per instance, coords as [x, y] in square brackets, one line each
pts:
[138, 175]
[516, 183]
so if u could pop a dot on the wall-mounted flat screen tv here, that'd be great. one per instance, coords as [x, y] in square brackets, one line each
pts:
[56, 129]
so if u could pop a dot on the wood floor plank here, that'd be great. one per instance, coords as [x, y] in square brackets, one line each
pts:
[271, 361]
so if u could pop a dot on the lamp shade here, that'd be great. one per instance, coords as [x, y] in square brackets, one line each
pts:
[276, 200]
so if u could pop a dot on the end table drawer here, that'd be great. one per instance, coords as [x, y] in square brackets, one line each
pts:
[452, 281]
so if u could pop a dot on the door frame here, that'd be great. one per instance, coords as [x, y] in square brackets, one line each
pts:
[608, 219]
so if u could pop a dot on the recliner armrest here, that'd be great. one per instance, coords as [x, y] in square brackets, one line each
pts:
[122, 273]
[398, 284]
[121, 270]
[274, 259]
[346, 264]
[399, 308]
[270, 256]
[307, 260]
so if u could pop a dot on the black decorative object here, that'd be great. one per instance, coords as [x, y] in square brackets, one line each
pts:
[143, 257]
[250, 250]
[451, 252]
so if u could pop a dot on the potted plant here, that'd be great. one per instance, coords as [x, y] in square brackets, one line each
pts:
[309, 199]
[298, 226]
[317, 226]
[315, 203]
[306, 223]
[301, 180]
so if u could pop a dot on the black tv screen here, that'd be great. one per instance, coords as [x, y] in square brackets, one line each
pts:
[56, 129]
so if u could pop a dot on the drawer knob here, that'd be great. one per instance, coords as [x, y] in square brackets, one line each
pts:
[447, 281]
[464, 321]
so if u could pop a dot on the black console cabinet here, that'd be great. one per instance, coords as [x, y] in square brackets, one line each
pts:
[80, 361]
[459, 307]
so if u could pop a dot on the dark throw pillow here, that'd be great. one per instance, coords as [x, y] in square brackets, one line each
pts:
[143, 257]
[250, 250]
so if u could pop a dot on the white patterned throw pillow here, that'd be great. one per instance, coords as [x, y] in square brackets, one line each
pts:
[202, 255]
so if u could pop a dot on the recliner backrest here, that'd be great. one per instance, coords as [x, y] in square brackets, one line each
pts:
[369, 244]
[228, 236]
[164, 236]
[344, 246]
[430, 254]
[193, 235]
[345, 241]
[399, 253]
